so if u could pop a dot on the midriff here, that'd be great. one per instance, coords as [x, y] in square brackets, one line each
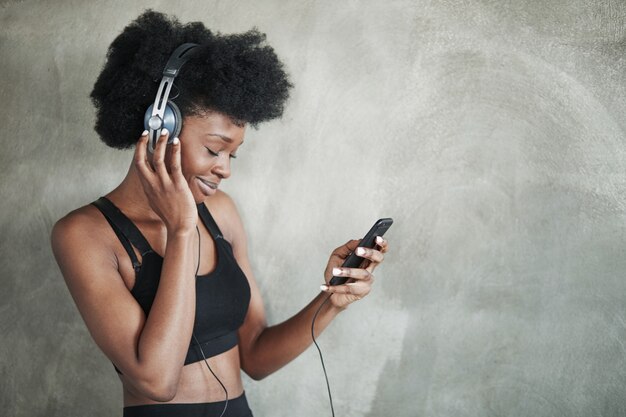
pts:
[196, 383]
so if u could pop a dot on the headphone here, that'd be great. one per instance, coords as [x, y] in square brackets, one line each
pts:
[165, 113]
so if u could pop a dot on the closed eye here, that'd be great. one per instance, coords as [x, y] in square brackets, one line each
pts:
[211, 152]
[232, 156]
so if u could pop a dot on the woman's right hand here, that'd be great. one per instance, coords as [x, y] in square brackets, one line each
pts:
[167, 190]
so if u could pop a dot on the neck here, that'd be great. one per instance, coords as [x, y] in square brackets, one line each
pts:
[130, 197]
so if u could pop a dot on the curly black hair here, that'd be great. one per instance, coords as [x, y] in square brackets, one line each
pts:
[238, 75]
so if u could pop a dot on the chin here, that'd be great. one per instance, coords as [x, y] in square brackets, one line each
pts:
[199, 197]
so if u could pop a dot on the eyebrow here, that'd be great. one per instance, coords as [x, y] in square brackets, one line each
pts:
[224, 138]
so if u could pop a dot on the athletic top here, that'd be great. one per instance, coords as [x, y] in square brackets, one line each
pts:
[222, 296]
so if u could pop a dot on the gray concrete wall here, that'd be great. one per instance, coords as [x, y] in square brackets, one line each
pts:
[492, 131]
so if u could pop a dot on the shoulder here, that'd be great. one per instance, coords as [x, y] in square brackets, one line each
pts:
[224, 211]
[79, 221]
[74, 223]
[79, 232]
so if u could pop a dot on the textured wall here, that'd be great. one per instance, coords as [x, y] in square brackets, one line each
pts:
[492, 131]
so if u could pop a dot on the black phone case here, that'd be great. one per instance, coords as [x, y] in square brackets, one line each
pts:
[369, 241]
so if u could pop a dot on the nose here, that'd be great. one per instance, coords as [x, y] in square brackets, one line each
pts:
[222, 166]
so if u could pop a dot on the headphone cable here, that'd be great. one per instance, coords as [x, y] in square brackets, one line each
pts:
[330, 397]
[198, 343]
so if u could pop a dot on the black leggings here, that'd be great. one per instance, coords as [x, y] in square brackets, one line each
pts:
[237, 407]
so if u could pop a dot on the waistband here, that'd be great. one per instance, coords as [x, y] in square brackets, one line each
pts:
[237, 407]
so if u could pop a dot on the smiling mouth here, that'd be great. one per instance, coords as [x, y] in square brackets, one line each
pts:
[209, 184]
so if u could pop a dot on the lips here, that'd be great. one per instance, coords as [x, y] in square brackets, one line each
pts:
[209, 184]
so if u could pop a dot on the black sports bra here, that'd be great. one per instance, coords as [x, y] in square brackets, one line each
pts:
[222, 296]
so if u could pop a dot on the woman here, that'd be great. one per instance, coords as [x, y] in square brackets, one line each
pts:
[158, 268]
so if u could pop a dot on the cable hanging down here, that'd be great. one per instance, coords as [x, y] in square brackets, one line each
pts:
[196, 339]
[330, 397]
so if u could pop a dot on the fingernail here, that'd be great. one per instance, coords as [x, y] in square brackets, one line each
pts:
[175, 141]
[360, 251]
[324, 287]
[336, 271]
[164, 132]
[144, 133]
[379, 240]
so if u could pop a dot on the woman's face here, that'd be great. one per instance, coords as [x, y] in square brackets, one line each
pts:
[208, 143]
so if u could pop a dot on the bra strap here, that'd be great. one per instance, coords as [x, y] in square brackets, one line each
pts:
[209, 222]
[125, 230]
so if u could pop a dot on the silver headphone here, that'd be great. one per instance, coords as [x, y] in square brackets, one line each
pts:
[165, 113]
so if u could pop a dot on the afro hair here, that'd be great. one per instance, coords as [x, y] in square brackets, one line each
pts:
[237, 75]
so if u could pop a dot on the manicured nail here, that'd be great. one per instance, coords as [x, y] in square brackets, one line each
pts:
[164, 132]
[336, 271]
[379, 240]
[360, 251]
[175, 141]
[144, 133]
[324, 287]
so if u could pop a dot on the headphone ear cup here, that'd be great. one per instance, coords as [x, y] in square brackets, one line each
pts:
[177, 124]
[172, 119]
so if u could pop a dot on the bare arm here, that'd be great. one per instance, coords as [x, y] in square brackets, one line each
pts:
[264, 350]
[149, 352]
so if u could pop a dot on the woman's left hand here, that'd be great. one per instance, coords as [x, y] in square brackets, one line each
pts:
[360, 279]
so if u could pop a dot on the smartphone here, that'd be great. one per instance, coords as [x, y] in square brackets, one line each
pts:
[369, 241]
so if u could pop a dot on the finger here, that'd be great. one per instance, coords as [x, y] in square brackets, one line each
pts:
[177, 173]
[344, 250]
[372, 258]
[158, 160]
[371, 254]
[356, 273]
[358, 289]
[382, 243]
[140, 158]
